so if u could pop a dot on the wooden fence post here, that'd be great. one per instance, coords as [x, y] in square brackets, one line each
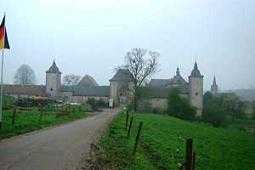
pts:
[14, 115]
[137, 137]
[129, 128]
[41, 111]
[188, 161]
[127, 117]
[193, 160]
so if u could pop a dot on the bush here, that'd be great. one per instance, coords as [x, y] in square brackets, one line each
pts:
[96, 104]
[8, 102]
[179, 107]
[218, 109]
[32, 102]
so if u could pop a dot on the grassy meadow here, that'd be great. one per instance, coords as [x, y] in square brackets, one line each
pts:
[162, 145]
[32, 118]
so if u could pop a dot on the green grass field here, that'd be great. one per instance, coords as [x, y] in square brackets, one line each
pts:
[32, 119]
[163, 145]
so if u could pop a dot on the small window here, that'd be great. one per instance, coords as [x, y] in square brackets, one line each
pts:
[196, 93]
[51, 89]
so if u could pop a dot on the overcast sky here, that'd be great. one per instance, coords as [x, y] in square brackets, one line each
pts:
[92, 37]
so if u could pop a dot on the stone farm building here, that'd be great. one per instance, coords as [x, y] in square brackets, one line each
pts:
[119, 89]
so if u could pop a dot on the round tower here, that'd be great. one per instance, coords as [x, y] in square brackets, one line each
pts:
[53, 81]
[196, 89]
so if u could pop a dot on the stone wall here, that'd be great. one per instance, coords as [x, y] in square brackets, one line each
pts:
[83, 99]
[151, 104]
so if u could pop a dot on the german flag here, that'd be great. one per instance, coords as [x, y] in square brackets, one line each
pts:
[4, 43]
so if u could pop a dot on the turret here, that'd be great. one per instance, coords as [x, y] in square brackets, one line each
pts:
[214, 87]
[196, 89]
[53, 81]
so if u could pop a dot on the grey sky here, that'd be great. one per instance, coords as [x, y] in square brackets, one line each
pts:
[92, 37]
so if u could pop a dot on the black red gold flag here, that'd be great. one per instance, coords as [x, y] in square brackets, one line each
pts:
[4, 43]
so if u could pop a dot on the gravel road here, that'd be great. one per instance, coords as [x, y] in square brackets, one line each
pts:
[54, 148]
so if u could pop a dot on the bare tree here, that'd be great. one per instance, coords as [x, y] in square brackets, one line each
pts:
[24, 75]
[71, 79]
[141, 64]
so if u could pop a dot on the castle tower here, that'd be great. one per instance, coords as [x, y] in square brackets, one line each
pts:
[214, 87]
[120, 87]
[53, 81]
[196, 89]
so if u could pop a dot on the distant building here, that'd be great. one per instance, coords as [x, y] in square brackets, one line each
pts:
[119, 91]
[214, 87]
[193, 89]
[86, 88]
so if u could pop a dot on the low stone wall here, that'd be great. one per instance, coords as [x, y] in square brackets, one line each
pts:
[153, 104]
[83, 99]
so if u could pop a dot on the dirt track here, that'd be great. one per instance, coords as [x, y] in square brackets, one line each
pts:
[55, 148]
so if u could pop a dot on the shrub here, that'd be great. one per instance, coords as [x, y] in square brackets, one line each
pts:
[31, 102]
[179, 107]
[96, 104]
[8, 102]
[217, 109]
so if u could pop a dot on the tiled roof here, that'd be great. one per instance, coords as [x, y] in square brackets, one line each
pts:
[30, 90]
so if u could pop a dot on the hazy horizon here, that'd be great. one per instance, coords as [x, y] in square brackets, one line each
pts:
[92, 37]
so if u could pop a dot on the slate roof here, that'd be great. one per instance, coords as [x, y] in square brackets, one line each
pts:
[53, 68]
[30, 90]
[195, 72]
[100, 91]
[122, 75]
[157, 92]
[176, 82]
[159, 82]
[68, 88]
[87, 80]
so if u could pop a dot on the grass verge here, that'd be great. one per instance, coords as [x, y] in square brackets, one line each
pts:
[163, 145]
[31, 119]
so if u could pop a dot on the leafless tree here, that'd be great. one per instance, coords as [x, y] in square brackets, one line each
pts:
[141, 64]
[24, 75]
[71, 79]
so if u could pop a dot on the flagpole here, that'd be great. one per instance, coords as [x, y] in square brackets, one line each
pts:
[1, 95]
[1, 88]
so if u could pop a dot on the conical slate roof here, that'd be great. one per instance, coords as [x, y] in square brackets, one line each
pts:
[87, 81]
[53, 68]
[122, 75]
[195, 72]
